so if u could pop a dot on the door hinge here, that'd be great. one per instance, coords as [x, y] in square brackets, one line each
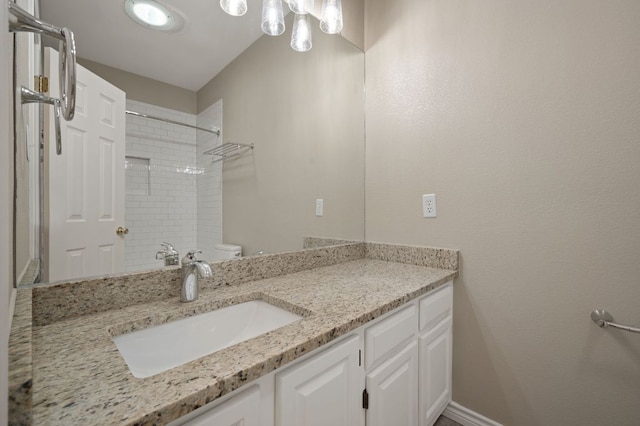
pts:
[41, 83]
[359, 357]
[365, 399]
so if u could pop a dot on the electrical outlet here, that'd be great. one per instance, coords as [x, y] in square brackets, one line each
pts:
[319, 207]
[429, 205]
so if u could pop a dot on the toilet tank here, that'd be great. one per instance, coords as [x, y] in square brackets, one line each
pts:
[226, 251]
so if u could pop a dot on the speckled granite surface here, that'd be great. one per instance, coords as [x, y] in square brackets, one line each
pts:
[59, 301]
[31, 274]
[315, 242]
[414, 255]
[20, 361]
[79, 376]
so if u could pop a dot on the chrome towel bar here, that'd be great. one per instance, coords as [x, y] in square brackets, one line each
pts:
[21, 20]
[604, 320]
[166, 120]
[24, 21]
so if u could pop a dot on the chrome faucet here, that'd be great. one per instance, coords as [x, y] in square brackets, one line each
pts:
[169, 254]
[191, 269]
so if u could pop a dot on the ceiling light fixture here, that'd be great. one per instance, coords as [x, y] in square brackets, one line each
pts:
[234, 7]
[301, 7]
[150, 14]
[273, 18]
[301, 35]
[331, 16]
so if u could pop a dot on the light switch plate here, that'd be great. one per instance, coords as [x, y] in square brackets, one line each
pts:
[319, 207]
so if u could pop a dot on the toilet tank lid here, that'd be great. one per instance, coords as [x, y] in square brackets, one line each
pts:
[228, 247]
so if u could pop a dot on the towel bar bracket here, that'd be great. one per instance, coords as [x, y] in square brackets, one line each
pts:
[604, 319]
[28, 96]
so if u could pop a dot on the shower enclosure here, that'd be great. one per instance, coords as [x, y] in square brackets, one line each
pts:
[173, 189]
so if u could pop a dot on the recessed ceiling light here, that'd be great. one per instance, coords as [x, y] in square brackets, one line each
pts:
[150, 14]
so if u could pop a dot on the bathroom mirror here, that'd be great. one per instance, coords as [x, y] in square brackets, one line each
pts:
[304, 115]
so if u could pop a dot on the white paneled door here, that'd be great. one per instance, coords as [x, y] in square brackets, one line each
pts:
[86, 183]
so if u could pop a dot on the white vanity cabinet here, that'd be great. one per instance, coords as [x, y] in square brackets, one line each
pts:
[242, 409]
[412, 385]
[435, 372]
[396, 370]
[392, 387]
[251, 405]
[391, 364]
[435, 343]
[322, 390]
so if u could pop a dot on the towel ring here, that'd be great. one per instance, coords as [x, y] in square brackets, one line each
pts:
[67, 74]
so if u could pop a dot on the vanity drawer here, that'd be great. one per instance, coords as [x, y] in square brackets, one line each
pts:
[436, 306]
[389, 334]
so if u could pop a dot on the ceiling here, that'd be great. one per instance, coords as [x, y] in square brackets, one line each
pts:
[189, 58]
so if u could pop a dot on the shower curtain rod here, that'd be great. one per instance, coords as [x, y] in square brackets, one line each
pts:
[166, 120]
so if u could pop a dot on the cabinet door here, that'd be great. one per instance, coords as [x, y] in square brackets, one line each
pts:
[241, 410]
[435, 372]
[393, 390]
[323, 390]
[436, 307]
[388, 335]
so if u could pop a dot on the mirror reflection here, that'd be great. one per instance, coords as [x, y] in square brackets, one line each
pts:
[289, 126]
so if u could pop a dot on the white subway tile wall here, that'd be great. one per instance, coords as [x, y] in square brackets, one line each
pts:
[209, 182]
[167, 209]
[137, 175]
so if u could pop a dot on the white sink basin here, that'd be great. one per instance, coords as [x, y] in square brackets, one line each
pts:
[157, 349]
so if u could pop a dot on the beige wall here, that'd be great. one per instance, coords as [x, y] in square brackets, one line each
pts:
[145, 89]
[523, 118]
[352, 19]
[305, 114]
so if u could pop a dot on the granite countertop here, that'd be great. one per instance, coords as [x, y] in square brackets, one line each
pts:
[79, 377]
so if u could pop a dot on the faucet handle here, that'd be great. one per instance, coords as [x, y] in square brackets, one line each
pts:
[168, 247]
[169, 251]
[191, 256]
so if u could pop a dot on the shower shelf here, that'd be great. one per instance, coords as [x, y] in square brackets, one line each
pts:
[228, 150]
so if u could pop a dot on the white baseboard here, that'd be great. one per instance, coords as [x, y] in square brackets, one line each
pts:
[466, 417]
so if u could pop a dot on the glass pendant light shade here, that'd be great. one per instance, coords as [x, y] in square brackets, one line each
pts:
[234, 7]
[331, 16]
[301, 35]
[301, 6]
[272, 17]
